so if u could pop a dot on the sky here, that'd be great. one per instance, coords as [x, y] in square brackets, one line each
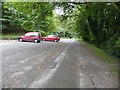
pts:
[58, 11]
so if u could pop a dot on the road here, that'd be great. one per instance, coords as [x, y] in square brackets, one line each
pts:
[64, 64]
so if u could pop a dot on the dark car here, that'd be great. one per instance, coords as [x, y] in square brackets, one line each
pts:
[31, 36]
[54, 38]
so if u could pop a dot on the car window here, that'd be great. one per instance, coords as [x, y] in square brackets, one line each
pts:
[54, 36]
[31, 34]
[51, 35]
[27, 34]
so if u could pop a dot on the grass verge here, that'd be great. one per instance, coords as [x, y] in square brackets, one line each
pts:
[111, 61]
[9, 36]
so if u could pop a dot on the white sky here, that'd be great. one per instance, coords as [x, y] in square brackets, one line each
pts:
[58, 11]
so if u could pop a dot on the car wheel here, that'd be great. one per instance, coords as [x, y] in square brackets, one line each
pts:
[44, 39]
[20, 39]
[35, 41]
[55, 40]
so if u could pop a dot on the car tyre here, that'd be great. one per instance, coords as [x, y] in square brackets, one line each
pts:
[44, 39]
[35, 41]
[55, 40]
[20, 39]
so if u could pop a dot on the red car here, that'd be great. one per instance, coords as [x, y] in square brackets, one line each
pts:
[54, 38]
[31, 36]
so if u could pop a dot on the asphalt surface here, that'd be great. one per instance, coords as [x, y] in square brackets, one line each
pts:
[64, 64]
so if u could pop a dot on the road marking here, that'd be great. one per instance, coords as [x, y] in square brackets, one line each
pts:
[17, 74]
[48, 76]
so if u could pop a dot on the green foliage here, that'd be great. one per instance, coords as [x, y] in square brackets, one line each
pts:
[10, 23]
[99, 23]
[32, 16]
[35, 15]
[113, 47]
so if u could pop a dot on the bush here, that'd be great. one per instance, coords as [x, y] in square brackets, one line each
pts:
[114, 48]
[43, 33]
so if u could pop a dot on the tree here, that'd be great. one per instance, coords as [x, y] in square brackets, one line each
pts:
[100, 25]
[32, 16]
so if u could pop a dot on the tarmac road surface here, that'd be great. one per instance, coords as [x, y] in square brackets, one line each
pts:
[64, 64]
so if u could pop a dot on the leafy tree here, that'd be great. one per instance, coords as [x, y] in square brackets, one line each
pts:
[100, 25]
[32, 16]
[96, 23]
[9, 21]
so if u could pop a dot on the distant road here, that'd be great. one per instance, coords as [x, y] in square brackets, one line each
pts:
[64, 64]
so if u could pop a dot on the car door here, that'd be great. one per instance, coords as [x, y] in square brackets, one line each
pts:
[33, 36]
[50, 38]
[26, 37]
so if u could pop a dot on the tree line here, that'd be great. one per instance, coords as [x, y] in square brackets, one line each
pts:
[99, 24]
[96, 23]
[30, 16]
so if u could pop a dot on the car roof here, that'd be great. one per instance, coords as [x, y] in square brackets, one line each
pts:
[32, 33]
[52, 35]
